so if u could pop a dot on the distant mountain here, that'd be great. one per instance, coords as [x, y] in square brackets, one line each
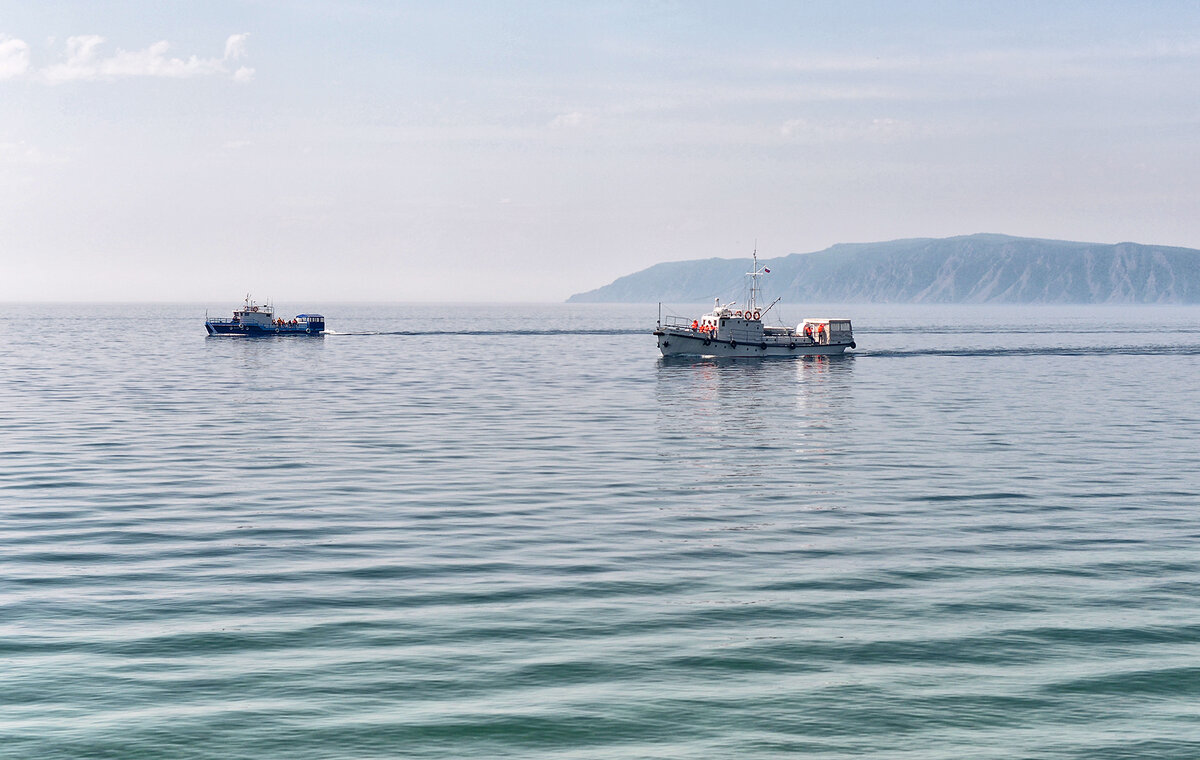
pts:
[968, 269]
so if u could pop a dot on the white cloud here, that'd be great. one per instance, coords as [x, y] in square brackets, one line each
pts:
[880, 130]
[82, 49]
[24, 154]
[840, 64]
[153, 62]
[81, 60]
[793, 127]
[14, 58]
[84, 62]
[567, 120]
[235, 47]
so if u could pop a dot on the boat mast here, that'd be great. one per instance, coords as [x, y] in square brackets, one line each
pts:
[755, 288]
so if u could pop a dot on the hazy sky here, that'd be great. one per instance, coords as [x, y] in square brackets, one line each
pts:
[509, 151]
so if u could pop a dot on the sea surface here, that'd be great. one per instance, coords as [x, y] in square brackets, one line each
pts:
[463, 531]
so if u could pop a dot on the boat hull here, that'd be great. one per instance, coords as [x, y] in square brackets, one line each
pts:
[258, 331]
[683, 344]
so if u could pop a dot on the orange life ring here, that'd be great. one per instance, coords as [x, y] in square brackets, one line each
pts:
[758, 315]
[737, 314]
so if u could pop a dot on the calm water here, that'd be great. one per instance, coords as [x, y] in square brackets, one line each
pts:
[515, 532]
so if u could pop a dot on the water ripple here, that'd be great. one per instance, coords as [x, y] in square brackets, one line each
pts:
[473, 538]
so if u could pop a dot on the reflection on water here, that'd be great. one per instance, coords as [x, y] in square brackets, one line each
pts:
[774, 413]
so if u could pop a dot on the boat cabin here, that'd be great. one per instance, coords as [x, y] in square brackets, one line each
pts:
[314, 322]
[253, 314]
[826, 330]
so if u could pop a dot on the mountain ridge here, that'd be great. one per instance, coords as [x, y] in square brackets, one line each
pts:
[979, 268]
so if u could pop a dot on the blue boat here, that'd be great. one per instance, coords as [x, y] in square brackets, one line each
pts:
[254, 320]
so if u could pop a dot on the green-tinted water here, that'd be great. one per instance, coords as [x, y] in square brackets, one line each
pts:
[464, 537]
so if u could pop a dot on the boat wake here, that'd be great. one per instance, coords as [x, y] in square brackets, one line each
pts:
[1126, 350]
[1161, 350]
[1022, 330]
[567, 331]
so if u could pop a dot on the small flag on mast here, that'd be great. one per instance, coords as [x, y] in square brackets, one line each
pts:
[768, 271]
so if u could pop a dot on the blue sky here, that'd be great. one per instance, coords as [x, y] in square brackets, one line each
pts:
[502, 152]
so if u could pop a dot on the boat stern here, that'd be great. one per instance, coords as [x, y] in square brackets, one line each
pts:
[313, 324]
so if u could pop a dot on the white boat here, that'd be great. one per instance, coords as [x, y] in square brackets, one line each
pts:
[731, 331]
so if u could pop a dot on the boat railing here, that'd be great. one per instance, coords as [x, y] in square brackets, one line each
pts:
[744, 335]
[685, 325]
[271, 324]
[682, 323]
[741, 334]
